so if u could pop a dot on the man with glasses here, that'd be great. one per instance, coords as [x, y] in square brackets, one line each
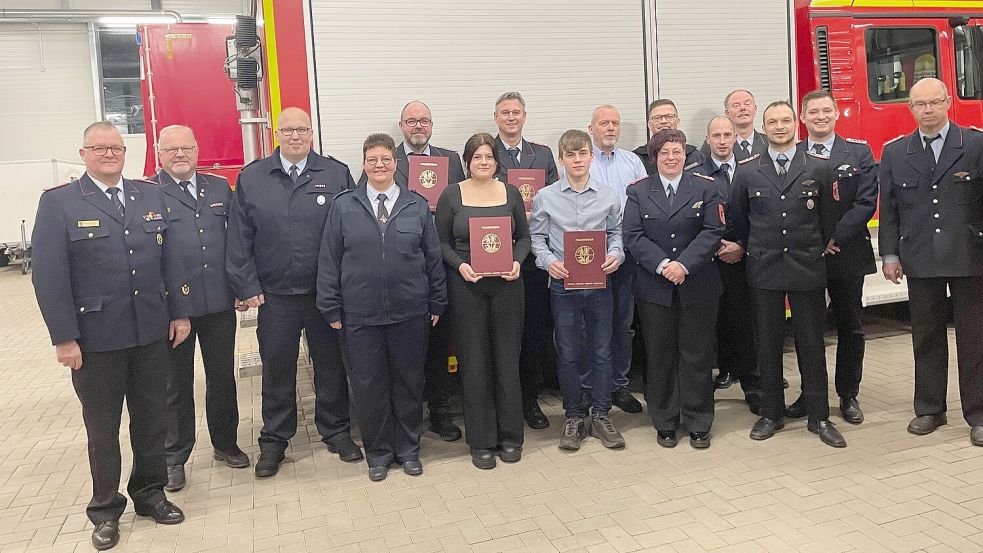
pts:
[515, 152]
[662, 114]
[416, 123]
[931, 230]
[110, 289]
[275, 225]
[197, 212]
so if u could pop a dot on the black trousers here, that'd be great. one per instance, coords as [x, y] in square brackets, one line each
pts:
[386, 375]
[279, 324]
[846, 306]
[437, 388]
[679, 356]
[137, 375]
[808, 320]
[487, 330]
[926, 298]
[537, 331]
[736, 352]
[216, 334]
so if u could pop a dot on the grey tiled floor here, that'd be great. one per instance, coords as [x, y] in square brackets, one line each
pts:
[888, 491]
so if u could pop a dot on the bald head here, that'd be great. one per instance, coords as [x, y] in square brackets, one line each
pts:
[416, 124]
[295, 134]
[929, 102]
[414, 105]
[721, 137]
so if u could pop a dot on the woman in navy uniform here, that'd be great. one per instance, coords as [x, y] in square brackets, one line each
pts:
[673, 226]
[380, 281]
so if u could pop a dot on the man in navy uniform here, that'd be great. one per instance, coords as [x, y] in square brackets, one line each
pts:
[537, 330]
[662, 114]
[851, 255]
[197, 211]
[779, 205]
[275, 225]
[112, 294]
[416, 123]
[736, 357]
[931, 230]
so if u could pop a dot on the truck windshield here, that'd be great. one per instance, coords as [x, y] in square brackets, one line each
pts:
[969, 61]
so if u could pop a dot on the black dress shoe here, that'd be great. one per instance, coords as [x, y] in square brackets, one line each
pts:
[483, 458]
[347, 450]
[164, 512]
[413, 467]
[175, 478]
[797, 410]
[235, 457]
[926, 424]
[827, 433]
[105, 535]
[976, 436]
[268, 463]
[623, 399]
[443, 425]
[666, 438]
[766, 428]
[378, 473]
[850, 409]
[510, 453]
[699, 440]
[534, 416]
[723, 381]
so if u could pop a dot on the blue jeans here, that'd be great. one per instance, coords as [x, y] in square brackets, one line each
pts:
[582, 325]
[621, 283]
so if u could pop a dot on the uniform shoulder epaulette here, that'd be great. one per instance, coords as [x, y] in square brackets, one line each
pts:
[211, 175]
[895, 139]
[53, 187]
[537, 144]
[856, 140]
[702, 176]
[743, 161]
[332, 158]
[146, 181]
[817, 156]
[692, 165]
[638, 180]
[253, 162]
[343, 192]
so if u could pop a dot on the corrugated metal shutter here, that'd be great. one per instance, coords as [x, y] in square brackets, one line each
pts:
[47, 95]
[566, 58]
[706, 49]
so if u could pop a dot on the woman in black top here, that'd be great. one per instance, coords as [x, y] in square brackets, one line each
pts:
[486, 312]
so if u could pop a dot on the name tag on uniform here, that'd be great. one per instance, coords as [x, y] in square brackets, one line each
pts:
[319, 185]
[219, 204]
[89, 223]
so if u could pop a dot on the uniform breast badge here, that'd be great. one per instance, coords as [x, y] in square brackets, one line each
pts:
[321, 199]
[185, 289]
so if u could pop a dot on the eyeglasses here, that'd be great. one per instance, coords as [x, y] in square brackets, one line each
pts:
[936, 104]
[301, 131]
[373, 161]
[664, 154]
[174, 151]
[101, 150]
[414, 122]
[667, 117]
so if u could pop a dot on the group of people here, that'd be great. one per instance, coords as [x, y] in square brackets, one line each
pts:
[705, 243]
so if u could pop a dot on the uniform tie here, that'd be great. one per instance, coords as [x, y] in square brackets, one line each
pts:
[928, 144]
[671, 192]
[746, 147]
[382, 214]
[186, 186]
[514, 154]
[819, 149]
[294, 173]
[117, 203]
[725, 170]
[782, 161]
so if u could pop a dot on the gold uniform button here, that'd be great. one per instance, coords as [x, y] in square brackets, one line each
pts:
[785, 249]
[672, 236]
[938, 230]
[784, 231]
[674, 249]
[936, 215]
[784, 215]
[783, 196]
[91, 235]
[203, 247]
[935, 200]
[757, 193]
[197, 215]
[133, 272]
[136, 292]
[126, 232]
[205, 265]
[82, 309]
[201, 230]
[131, 252]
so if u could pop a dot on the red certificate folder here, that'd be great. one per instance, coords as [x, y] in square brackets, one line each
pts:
[428, 176]
[491, 245]
[583, 254]
[529, 182]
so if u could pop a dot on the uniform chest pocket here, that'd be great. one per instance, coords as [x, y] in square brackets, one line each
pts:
[409, 233]
[220, 211]
[967, 189]
[809, 195]
[759, 201]
[90, 245]
[155, 228]
[906, 191]
[693, 212]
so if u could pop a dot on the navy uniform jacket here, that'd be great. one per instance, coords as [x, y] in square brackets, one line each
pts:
[854, 203]
[99, 278]
[533, 156]
[369, 275]
[759, 145]
[275, 226]
[455, 171]
[694, 158]
[933, 219]
[688, 232]
[784, 228]
[197, 230]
